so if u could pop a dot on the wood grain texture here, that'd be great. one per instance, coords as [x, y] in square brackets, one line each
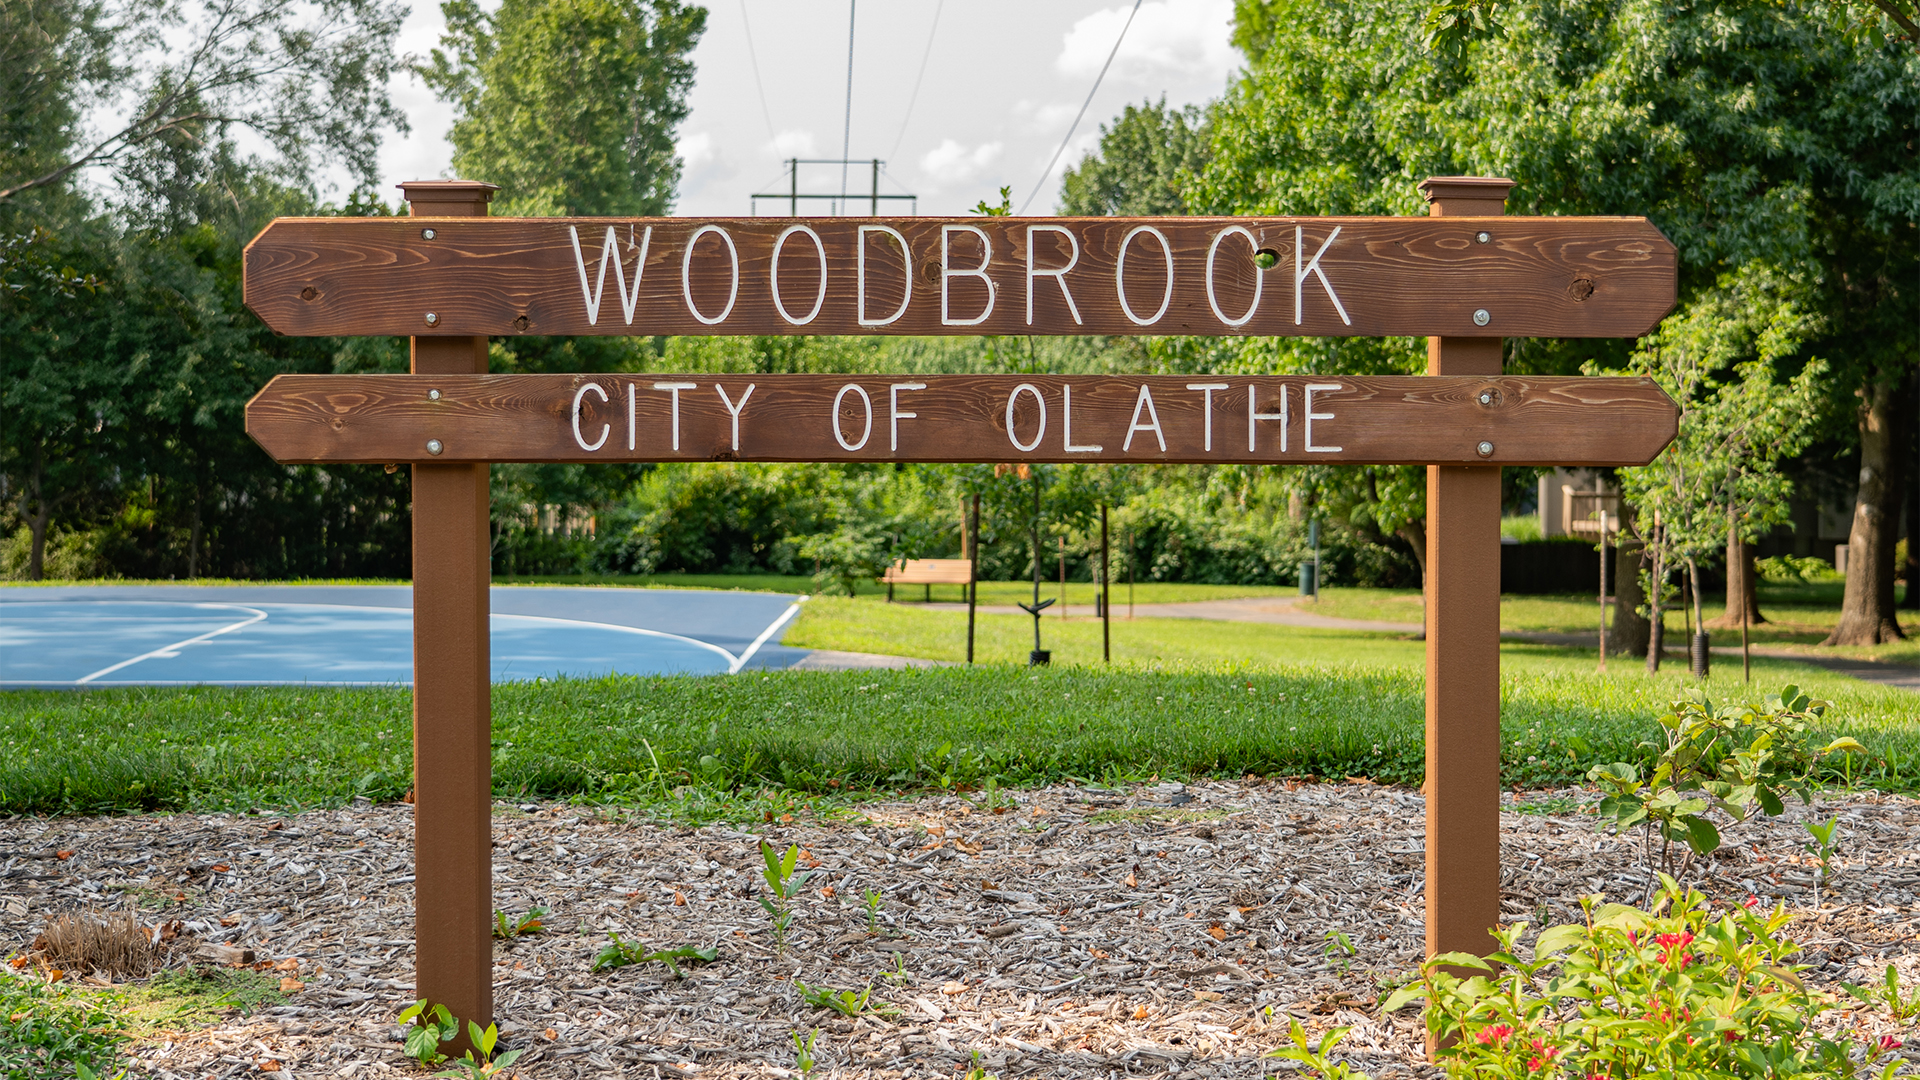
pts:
[1534, 277]
[1410, 420]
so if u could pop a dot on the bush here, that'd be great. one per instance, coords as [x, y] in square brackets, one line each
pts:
[1679, 990]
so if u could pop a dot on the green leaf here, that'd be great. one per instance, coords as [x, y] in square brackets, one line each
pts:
[1403, 997]
[1558, 939]
[1458, 959]
[1701, 834]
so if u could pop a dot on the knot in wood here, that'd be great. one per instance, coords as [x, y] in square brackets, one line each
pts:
[1580, 288]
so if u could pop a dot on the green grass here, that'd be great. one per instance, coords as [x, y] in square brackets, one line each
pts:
[991, 592]
[741, 745]
[45, 1030]
[194, 997]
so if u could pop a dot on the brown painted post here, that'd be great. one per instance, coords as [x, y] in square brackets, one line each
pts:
[452, 695]
[1463, 641]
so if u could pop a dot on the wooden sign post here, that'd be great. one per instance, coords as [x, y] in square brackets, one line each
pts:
[449, 276]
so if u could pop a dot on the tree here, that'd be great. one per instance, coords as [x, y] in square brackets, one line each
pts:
[1715, 359]
[1143, 165]
[98, 80]
[1753, 133]
[569, 105]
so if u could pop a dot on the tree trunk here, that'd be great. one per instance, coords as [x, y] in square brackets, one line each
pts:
[1628, 634]
[1743, 584]
[193, 541]
[1867, 615]
[1911, 498]
[37, 521]
[1415, 534]
[1656, 615]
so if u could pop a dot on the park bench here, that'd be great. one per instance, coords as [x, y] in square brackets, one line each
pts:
[928, 572]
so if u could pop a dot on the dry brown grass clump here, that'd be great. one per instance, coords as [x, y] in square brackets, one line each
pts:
[113, 943]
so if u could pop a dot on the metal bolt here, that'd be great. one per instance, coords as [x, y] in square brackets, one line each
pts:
[1480, 317]
[434, 447]
[433, 395]
[1478, 237]
[1485, 448]
[1486, 396]
[434, 320]
[427, 234]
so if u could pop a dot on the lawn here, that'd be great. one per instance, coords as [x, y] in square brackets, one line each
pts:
[991, 592]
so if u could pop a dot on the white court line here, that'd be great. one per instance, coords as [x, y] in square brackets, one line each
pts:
[173, 649]
[772, 628]
[625, 630]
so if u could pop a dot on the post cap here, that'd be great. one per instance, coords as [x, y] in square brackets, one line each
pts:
[440, 197]
[1471, 196]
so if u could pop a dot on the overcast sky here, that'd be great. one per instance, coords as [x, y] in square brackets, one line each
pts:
[1003, 80]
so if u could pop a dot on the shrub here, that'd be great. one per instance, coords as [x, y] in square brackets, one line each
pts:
[1676, 991]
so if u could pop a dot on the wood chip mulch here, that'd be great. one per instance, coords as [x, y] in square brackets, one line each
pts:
[1078, 933]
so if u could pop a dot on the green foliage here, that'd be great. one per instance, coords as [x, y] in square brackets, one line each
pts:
[1144, 162]
[845, 558]
[431, 1026]
[1794, 568]
[784, 883]
[870, 899]
[1003, 209]
[619, 954]
[1313, 1057]
[479, 1062]
[849, 1003]
[1677, 990]
[569, 105]
[1732, 761]
[803, 1060]
[48, 1031]
[1888, 995]
[506, 927]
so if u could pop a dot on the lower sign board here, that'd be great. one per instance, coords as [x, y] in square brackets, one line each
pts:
[1162, 419]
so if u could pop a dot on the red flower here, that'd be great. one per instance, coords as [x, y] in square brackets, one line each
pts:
[1495, 1034]
[1889, 1043]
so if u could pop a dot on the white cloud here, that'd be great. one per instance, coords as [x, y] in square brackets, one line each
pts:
[695, 149]
[1170, 41]
[794, 144]
[952, 163]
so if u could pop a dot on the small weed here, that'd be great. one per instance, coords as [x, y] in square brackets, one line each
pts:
[432, 1026]
[845, 1002]
[507, 928]
[44, 1028]
[977, 1071]
[472, 1067]
[1822, 849]
[1313, 1056]
[803, 1052]
[620, 954]
[1888, 994]
[784, 883]
[872, 900]
[1338, 951]
[899, 974]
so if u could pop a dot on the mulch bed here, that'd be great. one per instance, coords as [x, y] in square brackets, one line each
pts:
[1079, 933]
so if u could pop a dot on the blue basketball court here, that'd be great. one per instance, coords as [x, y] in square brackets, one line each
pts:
[355, 635]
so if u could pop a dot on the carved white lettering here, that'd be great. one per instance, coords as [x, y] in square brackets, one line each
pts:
[1312, 416]
[674, 388]
[1300, 275]
[734, 410]
[1058, 274]
[604, 428]
[686, 274]
[610, 252]
[948, 273]
[1259, 276]
[1254, 414]
[632, 424]
[1041, 431]
[1144, 401]
[1066, 424]
[1120, 274]
[819, 299]
[866, 432]
[894, 415]
[1207, 390]
[860, 275]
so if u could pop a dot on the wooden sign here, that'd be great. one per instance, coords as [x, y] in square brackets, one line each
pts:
[1421, 420]
[1268, 276]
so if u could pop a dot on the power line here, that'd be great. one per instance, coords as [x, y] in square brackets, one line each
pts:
[1083, 107]
[846, 132]
[917, 79]
[754, 58]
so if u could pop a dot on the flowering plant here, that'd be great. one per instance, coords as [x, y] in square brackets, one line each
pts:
[1676, 991]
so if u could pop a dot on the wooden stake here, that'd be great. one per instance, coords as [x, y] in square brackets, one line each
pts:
[1463, 646]
[973, 574]
[1106, 593]
[452, 691]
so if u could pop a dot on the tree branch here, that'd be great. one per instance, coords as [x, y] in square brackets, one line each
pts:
[1893, 12]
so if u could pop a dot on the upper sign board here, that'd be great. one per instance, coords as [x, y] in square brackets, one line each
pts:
[1263, 276]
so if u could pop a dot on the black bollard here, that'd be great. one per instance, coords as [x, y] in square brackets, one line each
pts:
[1702, 656]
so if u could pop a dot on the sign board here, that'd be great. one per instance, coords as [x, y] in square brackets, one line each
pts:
[1322, 277]
[1460, 277]
[1165, 419]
